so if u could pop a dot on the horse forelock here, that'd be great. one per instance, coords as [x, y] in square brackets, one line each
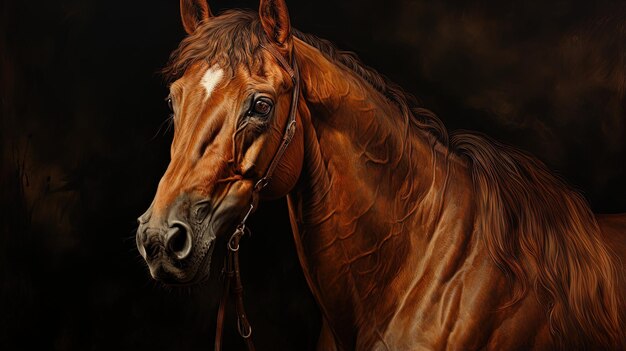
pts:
[229, 40]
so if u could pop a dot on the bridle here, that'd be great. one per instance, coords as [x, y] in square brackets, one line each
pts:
[231, 265]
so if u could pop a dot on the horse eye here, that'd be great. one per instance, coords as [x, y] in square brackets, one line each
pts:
[262, 107]
[169, 104]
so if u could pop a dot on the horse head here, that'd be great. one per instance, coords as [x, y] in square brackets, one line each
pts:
[231, 104]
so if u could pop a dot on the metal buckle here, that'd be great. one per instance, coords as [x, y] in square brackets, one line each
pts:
[241, 328]
[238, 232]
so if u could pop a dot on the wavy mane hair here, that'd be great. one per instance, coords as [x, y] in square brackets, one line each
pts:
[538, 231]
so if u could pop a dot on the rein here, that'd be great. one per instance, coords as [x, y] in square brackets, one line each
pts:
[231, 265]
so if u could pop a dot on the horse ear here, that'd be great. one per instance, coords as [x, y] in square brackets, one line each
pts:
[193, 12]
[275, 21]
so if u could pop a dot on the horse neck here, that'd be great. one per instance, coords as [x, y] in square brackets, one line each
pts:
[370, 197]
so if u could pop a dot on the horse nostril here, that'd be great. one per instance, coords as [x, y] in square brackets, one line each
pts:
[178, 241]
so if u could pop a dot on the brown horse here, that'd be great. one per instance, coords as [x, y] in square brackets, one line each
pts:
[408, 239]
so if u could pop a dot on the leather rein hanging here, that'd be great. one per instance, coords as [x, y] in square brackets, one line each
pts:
[231, 265]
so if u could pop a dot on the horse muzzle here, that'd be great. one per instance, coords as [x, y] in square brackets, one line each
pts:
[177, 244]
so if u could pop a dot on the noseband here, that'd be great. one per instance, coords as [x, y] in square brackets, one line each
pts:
[231, 265]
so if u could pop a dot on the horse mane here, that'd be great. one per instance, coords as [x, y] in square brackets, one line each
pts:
[542, 233]
[538, 231]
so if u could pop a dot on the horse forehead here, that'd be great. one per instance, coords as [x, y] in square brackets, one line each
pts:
[211, 77]
[203, 81]
[198, 76]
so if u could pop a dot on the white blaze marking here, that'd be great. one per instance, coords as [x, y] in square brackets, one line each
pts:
[211, 78]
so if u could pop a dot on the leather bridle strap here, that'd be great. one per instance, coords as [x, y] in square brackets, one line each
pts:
[290, 129]
[231, 266]
[233, 278]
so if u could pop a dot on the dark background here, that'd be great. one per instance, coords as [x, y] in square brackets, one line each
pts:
[83, 146]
